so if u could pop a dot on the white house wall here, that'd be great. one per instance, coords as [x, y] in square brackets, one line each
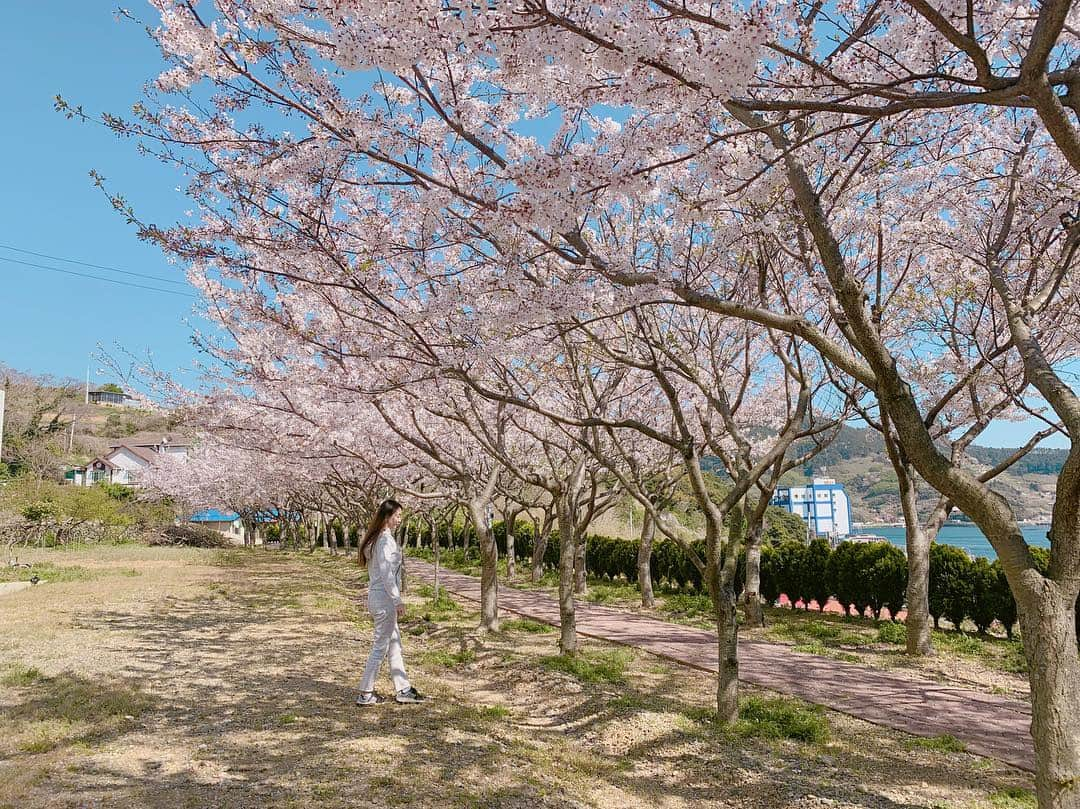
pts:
[125, 459]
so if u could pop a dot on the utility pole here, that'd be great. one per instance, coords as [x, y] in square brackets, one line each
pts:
[87, 399]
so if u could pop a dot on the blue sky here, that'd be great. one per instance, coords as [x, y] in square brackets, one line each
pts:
[50, 322]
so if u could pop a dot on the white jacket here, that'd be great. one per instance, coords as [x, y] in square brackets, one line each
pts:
[384, 568]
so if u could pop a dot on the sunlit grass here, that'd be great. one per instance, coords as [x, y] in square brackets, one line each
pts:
[607, 666]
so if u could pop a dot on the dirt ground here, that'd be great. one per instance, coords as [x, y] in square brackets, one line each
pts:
[147, 677]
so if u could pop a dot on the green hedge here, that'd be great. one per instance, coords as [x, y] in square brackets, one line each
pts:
[859, 575]
[874, 576]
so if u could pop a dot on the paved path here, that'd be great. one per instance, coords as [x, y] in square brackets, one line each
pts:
[988, 725]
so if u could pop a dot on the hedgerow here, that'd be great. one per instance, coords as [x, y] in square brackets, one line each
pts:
[860, 576]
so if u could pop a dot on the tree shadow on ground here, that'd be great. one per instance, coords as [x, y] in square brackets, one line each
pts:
[245, 699]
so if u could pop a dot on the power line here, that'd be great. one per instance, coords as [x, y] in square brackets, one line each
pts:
[95, 266]
[96, 277]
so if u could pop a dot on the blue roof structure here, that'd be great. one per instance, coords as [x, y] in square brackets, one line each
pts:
[213, 515]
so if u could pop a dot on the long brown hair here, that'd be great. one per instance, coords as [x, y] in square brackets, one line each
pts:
[386, 510]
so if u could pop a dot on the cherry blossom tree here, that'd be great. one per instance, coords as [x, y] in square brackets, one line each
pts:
[482, 179]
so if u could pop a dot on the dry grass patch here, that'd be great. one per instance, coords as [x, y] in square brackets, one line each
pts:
[48, 712]
[247, 675]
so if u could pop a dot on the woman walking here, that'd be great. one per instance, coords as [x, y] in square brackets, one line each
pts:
[380, 551]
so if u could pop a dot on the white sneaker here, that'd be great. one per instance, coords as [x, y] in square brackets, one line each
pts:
[367, 699]
[410, 694]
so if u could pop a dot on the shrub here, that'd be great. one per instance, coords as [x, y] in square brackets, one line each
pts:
[816, 583]
[1041, 557]
[984, 607]
[843, 569]
[690, 573]
[892, 633]
[611, 558]
[885, 576]
[783, 526]
[1004, 602]
[118, 491]
[673, 565]
[790, 569]
[951, 592]
[769, 588]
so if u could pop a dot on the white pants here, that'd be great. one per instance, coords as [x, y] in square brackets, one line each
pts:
[387, 639]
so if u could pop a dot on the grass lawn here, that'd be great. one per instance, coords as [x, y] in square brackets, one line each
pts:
[226, 679]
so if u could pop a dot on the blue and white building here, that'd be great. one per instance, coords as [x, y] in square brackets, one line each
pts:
[823, 504]
[226, 523]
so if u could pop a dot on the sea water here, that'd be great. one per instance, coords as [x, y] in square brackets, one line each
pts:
[967, 537]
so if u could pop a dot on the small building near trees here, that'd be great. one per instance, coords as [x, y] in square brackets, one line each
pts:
[226, 523]
[230, 524]
[110, 396]
[123, 462]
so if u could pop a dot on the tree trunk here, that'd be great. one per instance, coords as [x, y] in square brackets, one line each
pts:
[727, 642]
[581, 584]
[539, 549]
[567, 612]
[644, 573]
[919, 625]
[402, 539]
[720, 577]
[752, 607]
[1049, 629]
[509, 524]
[489, 568]
[918, 621]
[435, 548]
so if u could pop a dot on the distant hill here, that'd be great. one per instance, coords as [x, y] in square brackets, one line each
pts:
[857, 459]
[38, 435]
[1040, 461]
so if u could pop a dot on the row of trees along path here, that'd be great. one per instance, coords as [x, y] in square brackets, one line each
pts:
[573, 247]
[988, 725]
